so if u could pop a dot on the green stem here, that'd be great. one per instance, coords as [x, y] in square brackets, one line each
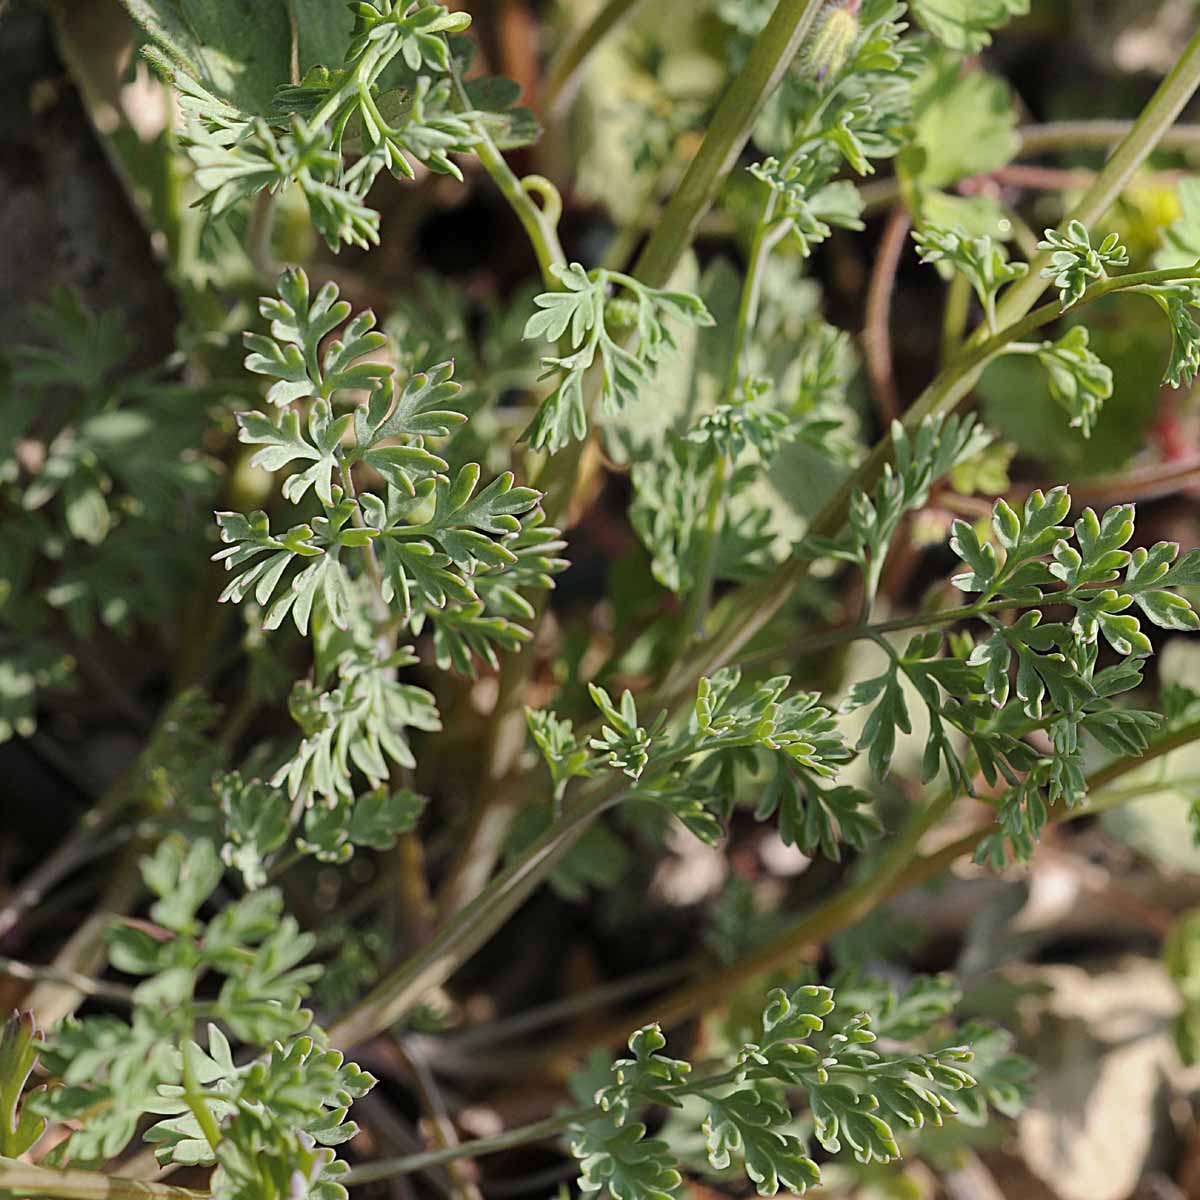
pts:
[727, 134]
[539, 223]
[568, 62]
[533, 1132]
[195, 1100]
[21, 1179]
[476, 1148]
[466, 930]
[710, 544]
[765, 240]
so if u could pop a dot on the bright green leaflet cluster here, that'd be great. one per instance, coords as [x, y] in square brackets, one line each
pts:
[263, 1122]
[980, 260]
[812, 1042]
[809, 204]
[786, 739]
[1031, 563]
[423, 549]
[432, 535]
[1074, 262]
[392, 99]
[1077, 378]
[428, 536]
[595, 326]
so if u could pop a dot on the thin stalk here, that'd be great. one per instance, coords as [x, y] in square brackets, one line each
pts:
[66, 857]
[727, 134]
[765, 240]
[195, 1098]
[465, 931]
[531, 1020]
[533, 1132]
[33, 973]
[954, 318]
[944, 616]
[567, 64]
[1142, 483]
[876, 336]
[539, 222]
[442, 1128]
[21, 1179]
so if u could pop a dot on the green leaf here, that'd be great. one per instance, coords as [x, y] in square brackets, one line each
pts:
[299, 322]
[284, 444]
[890, 712]
[751, 1127]
[964, 124]
[381, 816]
[809, 204]
[555, 738]
[980, 260]
[20, 1126]
[1181, 239]
[240, 53]
[467, 523]
[622, 1163]
[1078, 380]
[815, 819]
[182, 878]
[624, 742]
[360, 724]
[256, 825]
[415, 571]
[966, 25]
[462, 635]
[1074, 261]
[1177, 302]
[646, 1078]
[579, 315]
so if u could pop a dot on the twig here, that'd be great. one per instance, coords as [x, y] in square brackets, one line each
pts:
[876, 337]
[21, 1179]
[442, 1128]
[33, 973]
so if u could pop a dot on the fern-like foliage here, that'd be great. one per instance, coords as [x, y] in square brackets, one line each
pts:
[811, 1042]
[272, 1118]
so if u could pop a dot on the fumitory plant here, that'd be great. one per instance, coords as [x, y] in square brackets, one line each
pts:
[465, 544]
